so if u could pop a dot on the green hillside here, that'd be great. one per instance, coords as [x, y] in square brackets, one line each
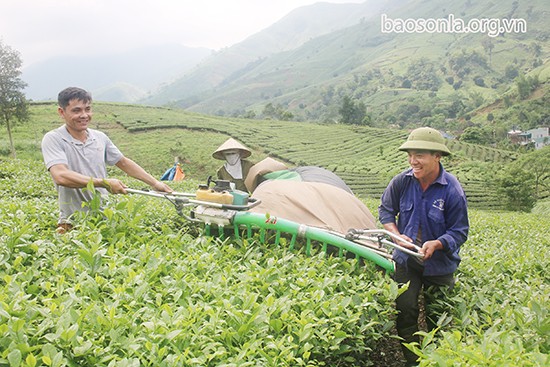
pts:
[366, 158]
[446, 80]
[231, 63]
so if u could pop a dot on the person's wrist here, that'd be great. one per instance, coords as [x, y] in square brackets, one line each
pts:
[103, 182]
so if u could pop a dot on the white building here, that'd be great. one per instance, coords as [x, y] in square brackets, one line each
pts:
[540, 136]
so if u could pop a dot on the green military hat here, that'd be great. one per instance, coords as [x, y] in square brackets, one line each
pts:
[426, 138]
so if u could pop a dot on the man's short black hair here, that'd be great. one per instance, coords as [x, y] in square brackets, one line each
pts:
[68, 94]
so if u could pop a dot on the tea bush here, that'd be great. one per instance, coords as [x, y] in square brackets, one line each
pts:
[499, 310]
[134, 285]
[131, 285]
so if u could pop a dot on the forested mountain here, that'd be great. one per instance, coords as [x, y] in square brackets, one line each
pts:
[291, 32]
[452, 80]
[340, 63]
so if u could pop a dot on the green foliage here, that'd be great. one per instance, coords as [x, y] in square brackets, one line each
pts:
[463, 63]
[275, 112]
[542, 208]
[526, 85]
[517, 187]
[475, 135]
[353, 112]
[526, 114]
[538, 164]
[422, 75]
[13, 106]
[132, 285]
[526, 180]
[511, 72]
[499, 311]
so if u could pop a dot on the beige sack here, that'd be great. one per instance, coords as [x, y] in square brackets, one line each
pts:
[313, 203]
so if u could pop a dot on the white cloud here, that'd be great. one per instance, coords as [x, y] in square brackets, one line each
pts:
[39, 29]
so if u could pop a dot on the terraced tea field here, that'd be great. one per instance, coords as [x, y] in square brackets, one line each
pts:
[366, 158]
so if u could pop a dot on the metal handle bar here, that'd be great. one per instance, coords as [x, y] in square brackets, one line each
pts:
[158, 194]
[372, 243]
[358, 234]
[183, 197]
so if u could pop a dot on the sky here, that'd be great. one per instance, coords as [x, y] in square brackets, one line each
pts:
[40, 29]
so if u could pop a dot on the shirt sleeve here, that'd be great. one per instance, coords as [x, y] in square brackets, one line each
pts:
[112, 153]
[52, 150]
[389, 203]
[457, 222]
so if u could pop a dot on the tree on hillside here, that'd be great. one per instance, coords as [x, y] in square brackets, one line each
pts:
[353, 113]
[476, 135]
[526, 85]
[510, 72]
[276, 112]
[526, 180]
[488, 46]
[517, 188]
[13, 105]
[537, 163]
[422, 75]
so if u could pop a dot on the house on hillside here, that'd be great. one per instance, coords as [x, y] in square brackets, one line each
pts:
[540, 136]
[518, 137]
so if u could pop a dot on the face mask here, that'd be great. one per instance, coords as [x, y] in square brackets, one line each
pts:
[232, 157]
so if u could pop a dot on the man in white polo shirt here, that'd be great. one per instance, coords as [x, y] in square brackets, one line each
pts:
[75, 154]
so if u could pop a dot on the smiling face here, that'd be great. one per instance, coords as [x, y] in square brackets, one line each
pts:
[77, 116]
[425, 165]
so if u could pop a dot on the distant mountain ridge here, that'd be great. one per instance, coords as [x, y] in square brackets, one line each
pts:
[402, 78]
[123, 77]
[307, 62]
[292, 31]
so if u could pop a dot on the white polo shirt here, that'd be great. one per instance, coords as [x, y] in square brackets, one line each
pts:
[89, 158]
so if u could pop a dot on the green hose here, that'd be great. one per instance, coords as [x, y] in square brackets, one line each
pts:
[311, 234]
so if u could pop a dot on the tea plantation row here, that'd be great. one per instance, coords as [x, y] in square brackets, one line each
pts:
[366, 158]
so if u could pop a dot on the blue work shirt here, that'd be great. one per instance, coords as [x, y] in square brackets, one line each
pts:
[440, 211]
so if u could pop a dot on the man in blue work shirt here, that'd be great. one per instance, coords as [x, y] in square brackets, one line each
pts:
[426, 206]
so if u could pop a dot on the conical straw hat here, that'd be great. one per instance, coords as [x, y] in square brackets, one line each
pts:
[231, 144]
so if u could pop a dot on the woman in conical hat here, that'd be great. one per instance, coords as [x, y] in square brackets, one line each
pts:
[236, 167]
